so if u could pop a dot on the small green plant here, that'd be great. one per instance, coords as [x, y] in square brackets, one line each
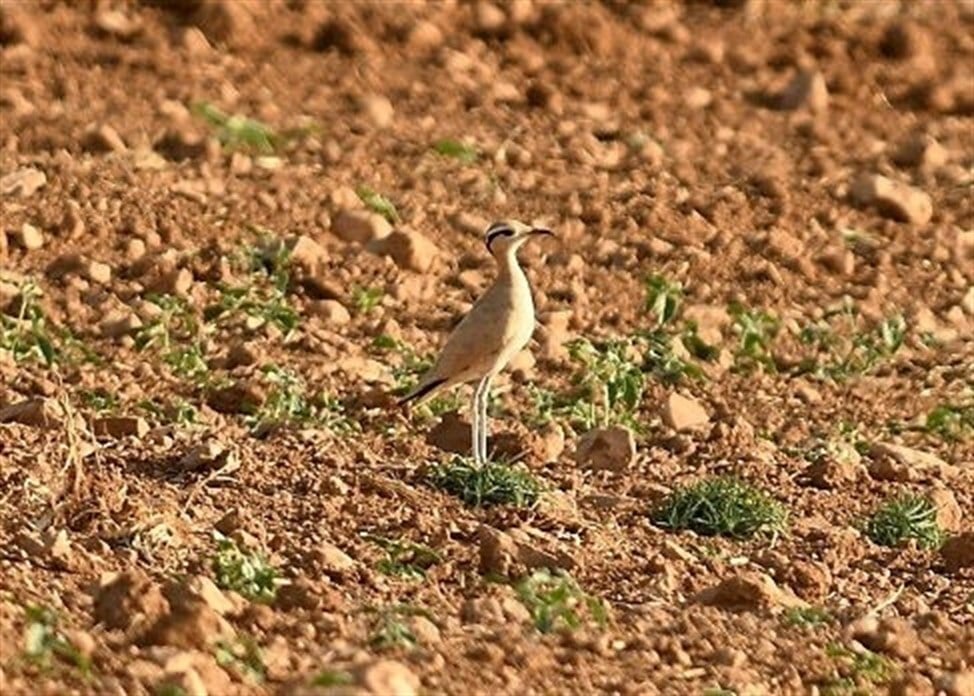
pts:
[27, 336]
[177, 411]
[660, 360]
[855, 671]
[99, 400]
[756, 332]
[238, 132]
[242, 655]
[719, 691]
[366, 299]
[902, 517]
[663, 299]
[404, 558]
[806, 616]
[493, 483]
[696, 346]
[555, 600]
[724, 506]
[613, 377]
[286, 403]
[378, 203]
[244, 571]
[849, 348]
[391, 629]
[177, 335]
[448, 147]
[951, 423]
[332, 677]
[43, 641]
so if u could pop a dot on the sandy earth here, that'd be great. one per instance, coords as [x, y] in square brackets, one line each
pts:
[811, 160]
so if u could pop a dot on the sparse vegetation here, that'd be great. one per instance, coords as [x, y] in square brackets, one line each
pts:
[405, 559]
[391, 629]
[857, 670]
[448, 147]
[378, 203]
[902, 517]
[288, 403]
[244, 571]
[44, 641]
[177, 335]
[724, 506]
[331, 677]
[663, 299]
[756, 331]
[612, 375]
[556, 601]
[806, 616]
[843, 348]
[238, 132]
[364, 300]
[952, 423]
[242, 656]
[494, 483]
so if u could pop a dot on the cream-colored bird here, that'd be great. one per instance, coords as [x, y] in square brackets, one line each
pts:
[497, 327]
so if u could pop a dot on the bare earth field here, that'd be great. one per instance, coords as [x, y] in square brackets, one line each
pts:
[233, 232]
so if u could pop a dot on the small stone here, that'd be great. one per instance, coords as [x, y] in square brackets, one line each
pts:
[807, 89]
[103, 138]
[242, 353]
[950, 516]
[97, 272]
[129, 599]
[920, 151]
[957, 683]
[175, 282]
[37, 413]
[213, 596]
[612, 448]
[424, 36]
[451, 434]
[306, 254]
[118, 323]
[387, 678]
[211, 455]
[410, 250]
[116, 427]
[911, 685]
[28, 237]
[341, 34]
[24, 182]
[904, 39]
[333, 560]
[427, 633]
[958, 552]
[749, 591]
[504, 554]
[226, 21]
[893, 636]
[240, 397]
[893, 199]
[378, 109]
[684, 413]
[697, 98]
[892, 462]
[488, 18]
[360, 226]
[331, 311]
[711, 320]
[840, 466]
[118, 24]
[190, 624]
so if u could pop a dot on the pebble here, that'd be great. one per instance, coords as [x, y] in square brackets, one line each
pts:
[378, 109]
[957, 683]
[612, 449]
[922, 152]
[807, 89]
[749, 591]
[37, 413]
[175, 282]
[118, 323]
[360, 226]
[684, 413]
[96, 272]
[103, 138]
[950, 516]
[895, 200]
[331, 311]
[836, 469]
[24, 182]
[118, 24]
[333, 560]
[424, 36]
[489, 18]
[387, 678]
[28, 237]
[411, 250]
[209, 455]
[116, 427]
[891, 462]
[958, 552]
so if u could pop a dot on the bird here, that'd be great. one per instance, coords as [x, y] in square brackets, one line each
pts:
[495, 329]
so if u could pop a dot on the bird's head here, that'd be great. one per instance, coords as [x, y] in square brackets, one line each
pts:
[505, 236]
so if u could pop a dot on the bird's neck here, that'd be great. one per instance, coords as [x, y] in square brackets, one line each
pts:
[509, 266]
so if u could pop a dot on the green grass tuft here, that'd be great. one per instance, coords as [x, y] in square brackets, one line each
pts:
[723, 506]
[663, 299]
[378, 203]
[44, 641]
[555, 600]
[448, 147]
[806, 616]
[951, 423]
[244, 571]
[405, 559]
[903, 517]
[493, 483]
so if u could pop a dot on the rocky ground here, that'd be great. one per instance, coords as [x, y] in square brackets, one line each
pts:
[232, 232]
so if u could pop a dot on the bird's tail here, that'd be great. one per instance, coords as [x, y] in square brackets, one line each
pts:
[424, 389]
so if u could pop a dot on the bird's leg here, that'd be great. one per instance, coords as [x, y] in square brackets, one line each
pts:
[484, 402]
[475, 422]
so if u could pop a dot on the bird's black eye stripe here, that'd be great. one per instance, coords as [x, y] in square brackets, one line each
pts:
[496, 231]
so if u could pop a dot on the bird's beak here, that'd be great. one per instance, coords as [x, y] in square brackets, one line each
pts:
[541, 231]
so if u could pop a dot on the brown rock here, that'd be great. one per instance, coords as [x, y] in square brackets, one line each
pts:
[342, 35]
[360, 226]
[118, 24]
[957, 683]
[37, 413]
[451, 434]
[920, 151]
[96, 272]
[332, 312]
[333, 561]
[410, 250]
[711, 320]
[306, 254]
[202, 670]
[554, 334]
[242, 353]
[239, 397]
[209, 455]
[119, 426]
[187, 681]
[424, 36]
[893, 636]
[212, 596]
[503, 554]
[129, 600]
[892, 462]
[807, 89]
[226, 21]
[102, 138]
[684, 413]
[893, 199]
[840, 466]
[488, 18]
[810, 580]
[749, 591]
[118, 323]
[612, 448]
[378, 109]
[387, 678]
[911, 685]
[950, 517]
[191, 624]
[28, 237]
[904, 39]
[958, 552]
[23, 182]
[174, 282]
